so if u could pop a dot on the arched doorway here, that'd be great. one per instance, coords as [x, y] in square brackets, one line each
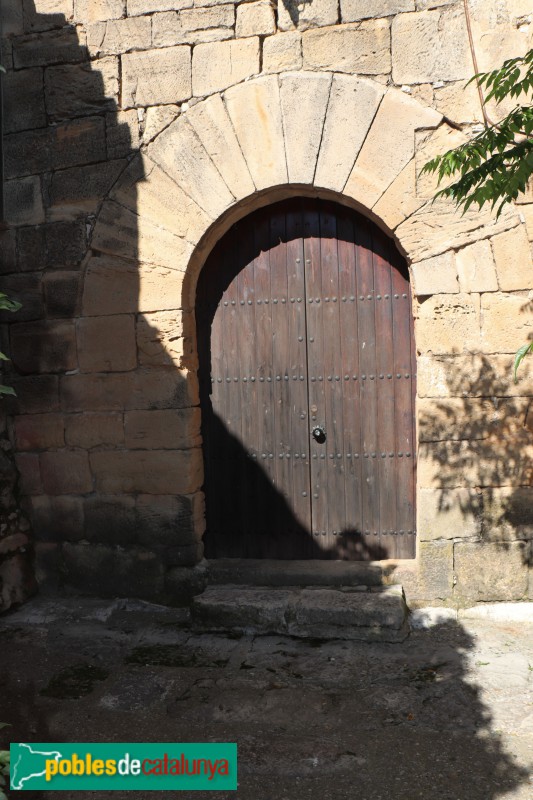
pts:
[307, 385]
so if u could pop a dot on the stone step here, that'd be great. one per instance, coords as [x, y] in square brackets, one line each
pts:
[377, 614]
[270, 572]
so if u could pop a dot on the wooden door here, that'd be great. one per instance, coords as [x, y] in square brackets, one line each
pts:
[307, 388]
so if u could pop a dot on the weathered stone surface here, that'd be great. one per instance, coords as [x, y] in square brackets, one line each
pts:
[149, 192]
[167, 520]
[512, 253]
[360, 48]
[352, 11]
[96, 10]
[261, 609]
[157, 76]
[505, 320]
[17, 581]
[436, 275]
[43, 346]
[156, 119]
[255, 112]
[29, 470]
[66, 472]
[93, 429]
[432, 579]
[31, 248]
[183, 583]
[179, 153]
[78, 89]
[473, 418]
[190, 26]
[428, 145]
[352, 105]
[8, 251]
[160, 339]
[430, 46]
[56, 47]
[23, 201]
[282, 52]
[111, 286]
[526, 212]
[106, 344]
[471, 375]
[448, 514]
[492, 571]
[24, 287]
[39, 431]
[49, 14]
[159, 289]
[213, 127]
[255, 19]
[27, 83]
[12, 18]
[119, 36]
[399, 201]
[458, 102]
[171, 429]
[217, 65]
[448, 324]
[292, 14]
[110, 519]
[507, 513]
[389, 145]
[56, 518]
[122, 133]
[37, 393]
[66, 243]
[136, 7]
[304, 98]
[121, 232]
[147, 471]
[80, 189]
[475, 268]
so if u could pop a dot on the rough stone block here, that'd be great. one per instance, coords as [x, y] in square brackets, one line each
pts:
[214, 129]
[399, 201]
[122, 133]
[36, 394]
[47, 15]
[89, 429]
[77, 142]
[472, 375]
[66, 243]
[491, 571]
[179, 153]
[163, 388]
[255, 112]
[185, 27]
[61, 293]
[119, 36]
[217, 65]
[57, 518]
[183, 583]
[150, 471]
[304, 98]
[448, 514]
[12, 18]
[39, 431]
[26, 83]
[433, 578]
[170, 429]
[26, 289]
[136, 7]
[17, 580]
[8, 251]
[31, 248]
[166, 520]
[282, 52]
[292, 14]
[448, 324]
[56, 47]
[95, 392]
[255, 19]
[157, 76]
[66, 472]
[23, 201]
[353, 103]
[29, 469]
[507, 513]
[75, 90]
[437, 275]
[353, 11]
[458, 102]
[111, 286]
[361, 48]
[43, 346]
[88, 11]
[473, 418]
[430, 46]
[106, 344]
[160, 339]
[28, 153]
[475, 268]
[526, 212]
[110, 519]
[505, 320]
[156, 119]
[512, 253]
[389, 146]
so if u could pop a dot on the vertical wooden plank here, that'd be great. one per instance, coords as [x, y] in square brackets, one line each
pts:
[385, 383]
[349, 345]
[404, 416]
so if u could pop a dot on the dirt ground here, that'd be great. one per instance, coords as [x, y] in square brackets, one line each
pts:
[446, 715]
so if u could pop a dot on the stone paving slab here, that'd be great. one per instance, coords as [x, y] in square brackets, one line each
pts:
[445, 714]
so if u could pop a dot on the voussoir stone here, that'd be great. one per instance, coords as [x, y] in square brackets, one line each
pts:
[304, 97]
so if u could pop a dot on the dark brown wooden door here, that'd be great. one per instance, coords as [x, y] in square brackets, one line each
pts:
[307, 388]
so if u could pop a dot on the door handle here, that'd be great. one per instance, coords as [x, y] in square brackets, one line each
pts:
[319, 433]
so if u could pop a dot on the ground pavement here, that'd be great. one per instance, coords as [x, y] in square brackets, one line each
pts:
[446, 715]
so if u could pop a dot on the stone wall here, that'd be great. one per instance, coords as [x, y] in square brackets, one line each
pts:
[136, 133]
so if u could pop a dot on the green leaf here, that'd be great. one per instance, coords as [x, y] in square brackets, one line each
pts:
[521, 353]
[7, 390]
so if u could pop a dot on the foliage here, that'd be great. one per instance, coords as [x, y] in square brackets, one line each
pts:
[494, 166]
[4, 767]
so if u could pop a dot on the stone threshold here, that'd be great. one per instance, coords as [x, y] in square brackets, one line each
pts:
[271, 572]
